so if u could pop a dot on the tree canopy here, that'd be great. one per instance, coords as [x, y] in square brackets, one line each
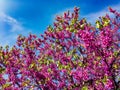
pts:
[71, 55]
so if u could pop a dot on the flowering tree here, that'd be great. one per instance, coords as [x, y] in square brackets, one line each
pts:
[71, 55]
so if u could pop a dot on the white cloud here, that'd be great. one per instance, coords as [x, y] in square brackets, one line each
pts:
[94, 16]
[8, 34]
[15, 25]
[2, 5]
[117, 7]
[8, 39]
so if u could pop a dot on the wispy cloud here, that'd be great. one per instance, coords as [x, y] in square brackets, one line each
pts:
[9, 29]
[94, 16]
[15, 25]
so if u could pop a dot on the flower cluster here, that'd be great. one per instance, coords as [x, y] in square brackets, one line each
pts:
[71, 55]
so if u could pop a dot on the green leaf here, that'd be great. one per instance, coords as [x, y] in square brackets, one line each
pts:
[98, 24]
[115, 66]
[104, 79]
[49, 70]
[1, 70]
[80, 64]
[85, 88]
[6, 56]
[6, 85]
[69, 53]
[106, 21]
[32, 65]
[98, 58]
[115, 53]
[75, 56]
[82, 26]
[60, 67]
[72, 22]
[50, 29]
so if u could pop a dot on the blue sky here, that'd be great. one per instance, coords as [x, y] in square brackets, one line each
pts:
[24, 16]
